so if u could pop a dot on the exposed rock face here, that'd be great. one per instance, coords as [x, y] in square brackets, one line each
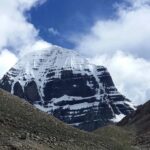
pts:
[31, 92]
[62, 83]
[18, 90]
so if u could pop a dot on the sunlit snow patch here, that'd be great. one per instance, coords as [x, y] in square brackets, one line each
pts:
[118, 118]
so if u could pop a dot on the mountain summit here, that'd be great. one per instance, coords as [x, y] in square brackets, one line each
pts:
[61, 82]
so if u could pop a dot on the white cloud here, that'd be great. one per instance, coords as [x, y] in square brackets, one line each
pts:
[53, 31]
[16, 32]
[138, 3]
[36, 46]
[7, 60]
[130, 74]
[129, 33]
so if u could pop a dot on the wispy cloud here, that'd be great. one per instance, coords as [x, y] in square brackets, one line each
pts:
[122, 44]
[7, 60]
[15, 31]
[53, 31]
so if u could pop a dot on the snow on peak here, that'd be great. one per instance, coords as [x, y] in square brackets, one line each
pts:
[37, 64]
[53, 57]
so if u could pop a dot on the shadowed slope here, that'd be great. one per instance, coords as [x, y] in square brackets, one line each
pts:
[132, 131]
[139, 122]
[140, 119]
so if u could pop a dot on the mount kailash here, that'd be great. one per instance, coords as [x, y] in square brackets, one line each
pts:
[63, 83]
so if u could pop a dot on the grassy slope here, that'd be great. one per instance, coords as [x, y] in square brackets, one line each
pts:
[23, 127]
[120, 135]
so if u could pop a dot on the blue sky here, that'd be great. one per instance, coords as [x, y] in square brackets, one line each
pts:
[67, 17]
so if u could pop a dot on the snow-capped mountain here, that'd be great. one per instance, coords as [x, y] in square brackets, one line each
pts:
[62, 83]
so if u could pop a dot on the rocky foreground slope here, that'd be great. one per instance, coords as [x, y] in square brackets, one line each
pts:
[64, 84]
[23, 127]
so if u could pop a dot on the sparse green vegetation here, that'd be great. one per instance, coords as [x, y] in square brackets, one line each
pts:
[23, 127]
[122, 137]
